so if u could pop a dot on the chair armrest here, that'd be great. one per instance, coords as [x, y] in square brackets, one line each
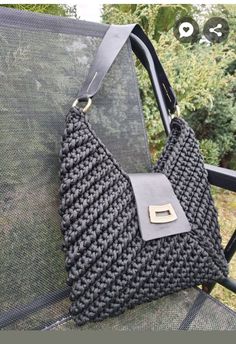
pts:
[222, 177]
[229, 284]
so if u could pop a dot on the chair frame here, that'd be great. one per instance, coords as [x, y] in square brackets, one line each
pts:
[217, 176]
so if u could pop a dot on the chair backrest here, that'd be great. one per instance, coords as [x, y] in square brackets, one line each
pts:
[43, 61]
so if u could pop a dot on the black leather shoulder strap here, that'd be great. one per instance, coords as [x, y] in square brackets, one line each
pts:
[110, 46]
[113, 41]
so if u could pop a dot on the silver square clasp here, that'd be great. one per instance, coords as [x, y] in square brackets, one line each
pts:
[162, 213]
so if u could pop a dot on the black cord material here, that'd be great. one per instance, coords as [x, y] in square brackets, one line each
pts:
[110, 268]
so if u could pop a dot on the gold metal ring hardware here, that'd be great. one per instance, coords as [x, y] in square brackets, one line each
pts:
[87, 106]
[177, 111]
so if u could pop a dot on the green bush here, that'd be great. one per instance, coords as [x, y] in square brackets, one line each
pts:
[210, 151]
[57, 10]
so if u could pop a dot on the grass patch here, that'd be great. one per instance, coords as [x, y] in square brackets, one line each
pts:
[225, 202]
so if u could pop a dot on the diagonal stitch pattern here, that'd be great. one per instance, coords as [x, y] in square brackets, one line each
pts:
[110, 268]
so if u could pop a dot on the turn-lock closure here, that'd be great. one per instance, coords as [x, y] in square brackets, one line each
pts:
[160, 213]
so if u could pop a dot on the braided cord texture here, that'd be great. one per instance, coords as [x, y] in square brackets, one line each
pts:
[110, 268]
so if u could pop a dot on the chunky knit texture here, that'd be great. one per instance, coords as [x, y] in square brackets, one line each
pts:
[110, 268]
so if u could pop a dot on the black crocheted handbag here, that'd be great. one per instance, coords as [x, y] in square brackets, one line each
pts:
[113, 262]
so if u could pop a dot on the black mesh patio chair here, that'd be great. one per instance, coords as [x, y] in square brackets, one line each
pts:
[43, 61]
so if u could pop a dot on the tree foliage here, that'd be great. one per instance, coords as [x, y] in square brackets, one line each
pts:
[57, 10]
[203, 75]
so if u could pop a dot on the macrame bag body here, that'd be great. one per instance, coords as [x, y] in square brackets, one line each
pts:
[110, 267]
